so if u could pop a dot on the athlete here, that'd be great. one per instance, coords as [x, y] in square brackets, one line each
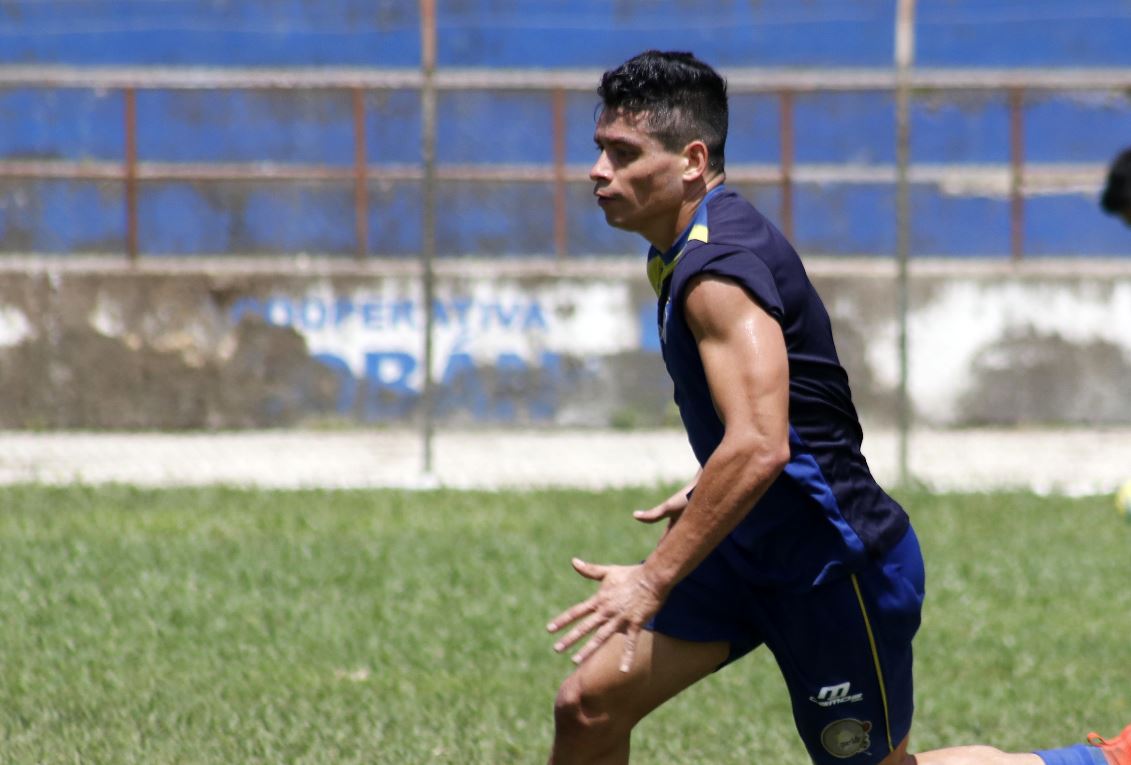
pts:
[783, 538]
[1116, 199]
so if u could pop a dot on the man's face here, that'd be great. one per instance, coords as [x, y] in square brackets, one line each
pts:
[638, 183]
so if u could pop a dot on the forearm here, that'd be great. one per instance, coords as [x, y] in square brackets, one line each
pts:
[733, 480]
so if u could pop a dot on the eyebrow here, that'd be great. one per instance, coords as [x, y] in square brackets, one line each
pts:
[616, 141]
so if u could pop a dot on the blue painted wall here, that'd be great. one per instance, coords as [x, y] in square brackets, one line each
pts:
[513, 219]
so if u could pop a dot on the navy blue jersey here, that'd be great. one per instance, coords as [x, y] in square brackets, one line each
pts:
[825, 515]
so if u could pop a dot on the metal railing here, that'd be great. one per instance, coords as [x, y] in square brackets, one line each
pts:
[1018, 178]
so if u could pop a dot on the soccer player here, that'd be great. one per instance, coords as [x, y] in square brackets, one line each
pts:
[783, 538]
[1116, 199]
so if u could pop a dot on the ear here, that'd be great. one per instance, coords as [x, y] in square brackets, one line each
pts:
[695, 159]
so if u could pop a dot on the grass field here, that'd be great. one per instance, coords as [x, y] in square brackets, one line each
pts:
[223, 626]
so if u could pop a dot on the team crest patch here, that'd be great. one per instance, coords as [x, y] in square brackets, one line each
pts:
[847, 737]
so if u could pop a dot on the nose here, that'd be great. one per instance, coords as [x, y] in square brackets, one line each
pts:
[601, 170]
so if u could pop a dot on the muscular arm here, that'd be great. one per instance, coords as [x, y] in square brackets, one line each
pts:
[744, 356]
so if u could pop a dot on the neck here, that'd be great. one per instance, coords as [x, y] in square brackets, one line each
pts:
[668, 231]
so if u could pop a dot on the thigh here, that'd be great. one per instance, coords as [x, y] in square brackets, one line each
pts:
[845, 652]
[704, 624]
[663, 667]
[714, 603]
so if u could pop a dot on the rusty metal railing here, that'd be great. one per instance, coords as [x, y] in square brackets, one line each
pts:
[1019, 177]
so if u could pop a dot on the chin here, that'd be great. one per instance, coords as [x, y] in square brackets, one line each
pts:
[618, 222]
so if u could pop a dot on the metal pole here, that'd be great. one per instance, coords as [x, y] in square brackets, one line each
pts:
[361, 177]
[428, 216]
[785, 129]
[130, 117]
[1016, 173]
[904, 57]
[561, 222]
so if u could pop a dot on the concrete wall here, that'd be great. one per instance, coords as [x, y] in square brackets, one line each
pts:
[235, 344]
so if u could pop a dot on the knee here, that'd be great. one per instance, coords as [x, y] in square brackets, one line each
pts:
[581, 714]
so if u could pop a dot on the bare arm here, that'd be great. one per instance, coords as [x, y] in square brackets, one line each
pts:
[744, 356]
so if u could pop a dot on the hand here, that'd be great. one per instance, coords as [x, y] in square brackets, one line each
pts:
[671, 508]
[624, 602]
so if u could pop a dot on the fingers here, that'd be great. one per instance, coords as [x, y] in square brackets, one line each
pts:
[589, 571]
[571, 615]
[623, 603]
[657, 513]
[608, 629]
[592, 571]
[629, 654]
[578, 632]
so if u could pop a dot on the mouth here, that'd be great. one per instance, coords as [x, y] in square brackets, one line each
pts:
[603, 199]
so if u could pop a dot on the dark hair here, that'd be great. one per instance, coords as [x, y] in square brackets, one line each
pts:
[683, 99]
[1117, 196]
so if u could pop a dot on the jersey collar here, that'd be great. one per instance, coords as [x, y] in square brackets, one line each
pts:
[662, 264]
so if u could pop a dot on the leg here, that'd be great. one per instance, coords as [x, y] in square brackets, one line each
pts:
[973, 755]
[959, 755]
[598, 705]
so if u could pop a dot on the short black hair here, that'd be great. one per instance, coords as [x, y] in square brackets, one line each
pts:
[683, 98]
[1116, 198]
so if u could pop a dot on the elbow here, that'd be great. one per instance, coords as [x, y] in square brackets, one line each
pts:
[775, 458]
[765, 458]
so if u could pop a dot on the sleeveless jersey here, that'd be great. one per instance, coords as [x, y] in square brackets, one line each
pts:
[824, 516]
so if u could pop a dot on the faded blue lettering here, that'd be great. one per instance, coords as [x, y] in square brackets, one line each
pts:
[244, 306]
[347, 383]
[388, 395]
[462, 307]
[313, 313]
[343, 308]
[511, 376]
[279, 312]
[371, 314]
[440, 314]
[506, 317]
[462, 387]
[544, 403]
[535, 319]
[403, 314]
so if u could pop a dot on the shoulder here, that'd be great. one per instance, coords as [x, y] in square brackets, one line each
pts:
[709, 297]
[731, 264]
[732, 228]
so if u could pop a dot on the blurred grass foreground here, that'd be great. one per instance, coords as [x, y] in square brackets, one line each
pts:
[236, 626]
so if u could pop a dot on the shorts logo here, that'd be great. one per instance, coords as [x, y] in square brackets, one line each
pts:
[847, 737]
[831, 695]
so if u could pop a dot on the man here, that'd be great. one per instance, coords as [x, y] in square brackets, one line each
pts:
[1116, 199]
[783, 538]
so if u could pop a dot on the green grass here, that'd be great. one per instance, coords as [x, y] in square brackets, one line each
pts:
[223, 626]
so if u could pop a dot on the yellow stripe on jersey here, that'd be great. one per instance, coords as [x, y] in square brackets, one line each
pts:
[659, 271]
[875, 660]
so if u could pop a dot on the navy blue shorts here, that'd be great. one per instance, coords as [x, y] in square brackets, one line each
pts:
[844, 647]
